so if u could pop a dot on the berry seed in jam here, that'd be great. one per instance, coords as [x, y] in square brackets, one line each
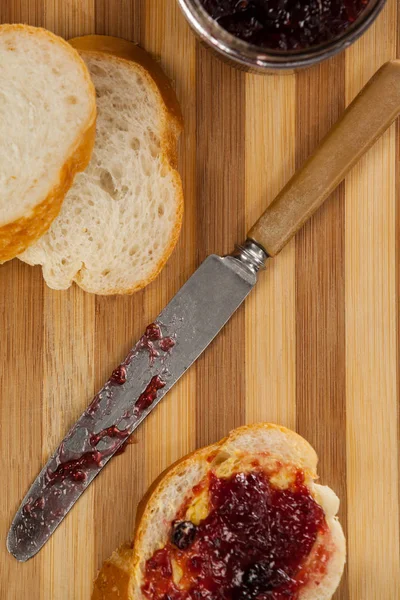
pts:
[183, 534]
[251, 546]
[285, 24]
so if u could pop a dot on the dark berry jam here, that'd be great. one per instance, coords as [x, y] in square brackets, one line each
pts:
[166, 344]
[252, 545]
[285, 24]
[31, 506]
[119, 375]
[110, 432]
[183, 534]
[147, 397]
[75, 470]
[153, 332]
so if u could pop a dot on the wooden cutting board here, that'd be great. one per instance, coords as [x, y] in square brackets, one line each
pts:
[315, 347]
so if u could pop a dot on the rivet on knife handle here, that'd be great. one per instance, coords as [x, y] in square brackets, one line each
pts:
[365, 119]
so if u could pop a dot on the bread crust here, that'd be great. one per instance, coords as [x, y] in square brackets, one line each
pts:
[18, 235]
[113, 579]
[173, 124]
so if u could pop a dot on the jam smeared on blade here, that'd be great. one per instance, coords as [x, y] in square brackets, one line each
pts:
[167, 344]
[84, 452]
[252, 545]
[285, 24]
[94, 405]
[75, 470]
[153, 332]
[31, 506]
[147, 397]
[111, 432]
[119, 375]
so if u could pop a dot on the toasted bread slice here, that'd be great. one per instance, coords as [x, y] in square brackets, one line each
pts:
[122, 218]
[184, 487]
[47, 130]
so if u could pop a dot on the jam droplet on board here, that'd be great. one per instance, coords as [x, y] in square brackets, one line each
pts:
[285, 24]
[252, 545]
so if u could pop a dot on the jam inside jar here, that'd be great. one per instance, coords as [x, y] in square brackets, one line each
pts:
[252, 545]
[285, 24]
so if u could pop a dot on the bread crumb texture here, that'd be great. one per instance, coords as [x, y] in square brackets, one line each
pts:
[122, 217]
[47, 117]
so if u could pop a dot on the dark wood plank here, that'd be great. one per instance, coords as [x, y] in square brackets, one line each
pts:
[320, 324]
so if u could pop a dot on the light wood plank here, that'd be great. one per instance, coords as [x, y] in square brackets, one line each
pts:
[270, 310]
[320, 302]
[68, 386]
[371, 358]
[167, 38]
[68, 375]
[21, 405]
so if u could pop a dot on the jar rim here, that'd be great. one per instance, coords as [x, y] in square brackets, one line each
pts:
[258, 58]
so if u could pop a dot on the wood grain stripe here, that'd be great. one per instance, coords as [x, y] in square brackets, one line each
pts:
[68, 377]
[21, 381]
[18, 11]
[69, 20]
[397, 275]
[170, 431]
[126, 317]
[156, 448]
[372, 443]
[220, 99]
[121, 18]
[270, 309]
[397, 264]
[67, 388]
[320, 332]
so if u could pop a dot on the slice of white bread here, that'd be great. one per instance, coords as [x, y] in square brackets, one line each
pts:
[122, 576]
[121, 219]
[47, 130]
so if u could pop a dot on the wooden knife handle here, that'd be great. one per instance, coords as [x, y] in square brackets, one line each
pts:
[365, 119]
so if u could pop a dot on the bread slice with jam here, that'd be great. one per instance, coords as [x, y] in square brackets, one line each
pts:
[242, 519]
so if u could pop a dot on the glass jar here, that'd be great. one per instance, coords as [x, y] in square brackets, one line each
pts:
[253, 58]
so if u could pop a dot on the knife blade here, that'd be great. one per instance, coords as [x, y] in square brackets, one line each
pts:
[166, 350]
[193, 318]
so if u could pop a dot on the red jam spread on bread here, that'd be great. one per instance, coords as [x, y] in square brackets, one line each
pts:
[252, 545]
[285, 24]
